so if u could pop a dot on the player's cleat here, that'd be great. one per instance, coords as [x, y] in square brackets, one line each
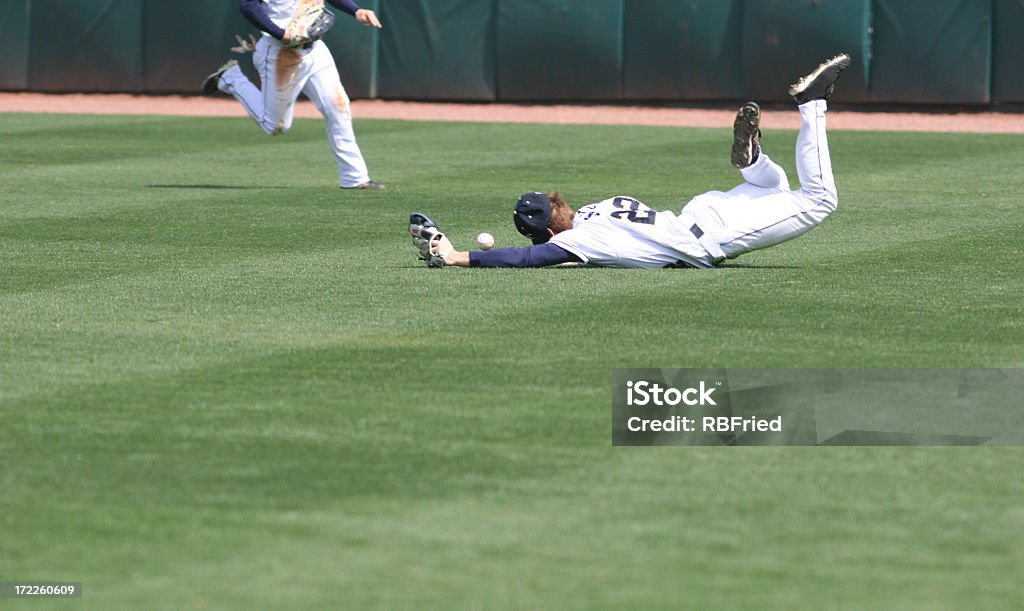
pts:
[746, 135]
[369, 185]
[818, 85]
[211, 82]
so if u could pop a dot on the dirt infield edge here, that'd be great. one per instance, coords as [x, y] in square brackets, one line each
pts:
[221, 106]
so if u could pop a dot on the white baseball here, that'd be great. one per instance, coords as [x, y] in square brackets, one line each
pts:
[485, 241]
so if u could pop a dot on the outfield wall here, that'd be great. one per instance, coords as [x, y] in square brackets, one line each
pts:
[936, 52]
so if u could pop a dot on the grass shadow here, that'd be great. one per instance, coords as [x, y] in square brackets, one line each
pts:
[207, 186]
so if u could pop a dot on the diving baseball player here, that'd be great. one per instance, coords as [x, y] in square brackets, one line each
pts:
[624, 232]
[291, 59]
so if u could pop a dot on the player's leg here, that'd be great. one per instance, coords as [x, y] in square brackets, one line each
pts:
[813, 160]
[280, 70]
[740, 225]
[234, 83]
[761, 175]
[325, 90]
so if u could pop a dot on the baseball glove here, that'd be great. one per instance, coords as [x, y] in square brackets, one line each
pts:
[434, 246]
[308, 25]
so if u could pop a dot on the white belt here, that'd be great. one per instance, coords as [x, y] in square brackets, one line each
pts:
[708, 244]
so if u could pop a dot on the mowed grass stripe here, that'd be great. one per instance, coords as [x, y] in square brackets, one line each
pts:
[222, 396]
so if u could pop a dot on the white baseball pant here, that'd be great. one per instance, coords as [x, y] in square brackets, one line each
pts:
[285, 73]
[763, 211]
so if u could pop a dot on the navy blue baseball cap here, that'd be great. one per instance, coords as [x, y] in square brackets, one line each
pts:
[533, 213]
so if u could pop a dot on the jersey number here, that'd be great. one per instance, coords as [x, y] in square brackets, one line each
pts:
[633, 211]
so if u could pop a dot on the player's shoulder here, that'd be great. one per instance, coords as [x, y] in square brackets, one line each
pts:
[603, 208]
[616, 201]
[602, 204]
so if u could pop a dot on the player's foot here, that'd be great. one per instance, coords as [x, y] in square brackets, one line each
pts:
[818, 85]
[369, 185]
[746, 135]
[211, 82]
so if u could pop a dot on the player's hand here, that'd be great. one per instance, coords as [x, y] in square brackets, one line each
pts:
[245, 46]
[441, 247]
[435, 248]
[368, 17]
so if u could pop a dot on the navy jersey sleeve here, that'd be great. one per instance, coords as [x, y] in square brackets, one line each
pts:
[253, 12]
[345, 5]
[538, 255]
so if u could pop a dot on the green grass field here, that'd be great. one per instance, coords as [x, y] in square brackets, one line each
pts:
[227, 384]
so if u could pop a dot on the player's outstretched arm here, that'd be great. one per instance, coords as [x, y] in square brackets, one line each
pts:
[367, 17]
[437, 250]
[458, 258]
[538, 255]
[362, 15]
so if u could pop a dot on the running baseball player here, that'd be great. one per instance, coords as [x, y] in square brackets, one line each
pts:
[291, 59]
[712, 227]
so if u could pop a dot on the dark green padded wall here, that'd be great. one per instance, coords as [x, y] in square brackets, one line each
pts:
[560, 49]
[683, 50]
[212, 26]
[785, 39]
[935, 52]
[94, 45]
[14, 44]
[438, 50]
[186, 41]
[1008, 52]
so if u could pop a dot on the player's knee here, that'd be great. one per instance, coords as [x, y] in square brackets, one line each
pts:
[272, 128]
[822, 199]
[828, 201]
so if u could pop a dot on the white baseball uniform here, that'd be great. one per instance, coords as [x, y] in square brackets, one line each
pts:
[623, 232]
[761, 212]
[286, 72]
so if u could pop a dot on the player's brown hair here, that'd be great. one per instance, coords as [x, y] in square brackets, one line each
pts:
[561, 213]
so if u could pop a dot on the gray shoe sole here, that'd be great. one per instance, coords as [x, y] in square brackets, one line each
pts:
[369, 185]
[818, 84]
[210, 83]
[746, 135]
